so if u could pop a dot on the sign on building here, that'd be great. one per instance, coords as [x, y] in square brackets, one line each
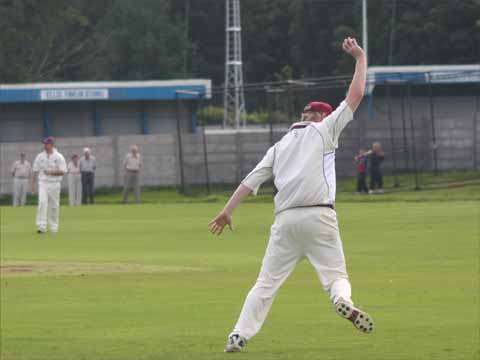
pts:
[73, 94]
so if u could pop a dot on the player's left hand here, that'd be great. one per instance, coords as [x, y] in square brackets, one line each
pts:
[219, 222]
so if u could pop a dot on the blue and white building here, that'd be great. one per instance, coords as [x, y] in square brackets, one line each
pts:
[29, 112]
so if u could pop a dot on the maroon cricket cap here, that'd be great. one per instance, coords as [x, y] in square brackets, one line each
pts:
[318, 106]
[48, 140]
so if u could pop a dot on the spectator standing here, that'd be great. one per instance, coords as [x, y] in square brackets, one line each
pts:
[74, 182]
[88, 165]
[21, 172]
[375, 159]
[361, 162]
[132, 165]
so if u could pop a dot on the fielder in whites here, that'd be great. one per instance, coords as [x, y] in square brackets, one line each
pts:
[302, 165]
[49, 167]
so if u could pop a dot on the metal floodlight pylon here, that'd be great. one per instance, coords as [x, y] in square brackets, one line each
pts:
[234, 99]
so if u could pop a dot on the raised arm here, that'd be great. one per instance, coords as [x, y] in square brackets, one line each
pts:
[357, 86]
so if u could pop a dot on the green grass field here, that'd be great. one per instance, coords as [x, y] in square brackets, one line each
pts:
[150, 282]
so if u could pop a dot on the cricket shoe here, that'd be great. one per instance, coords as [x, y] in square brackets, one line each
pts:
[235, 343]
[360, 319]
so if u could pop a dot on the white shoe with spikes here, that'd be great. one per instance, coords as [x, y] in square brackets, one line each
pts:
[359, 318]
[235, 343]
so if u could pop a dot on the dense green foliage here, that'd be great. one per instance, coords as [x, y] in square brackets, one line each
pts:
[56, 40]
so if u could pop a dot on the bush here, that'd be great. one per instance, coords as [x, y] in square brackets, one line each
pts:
[213, 115]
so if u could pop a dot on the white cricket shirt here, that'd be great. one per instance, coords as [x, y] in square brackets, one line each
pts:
[21, 169]
[302, 163]
[74, 169]
[132, 163]
[87, 165]
[53, 162]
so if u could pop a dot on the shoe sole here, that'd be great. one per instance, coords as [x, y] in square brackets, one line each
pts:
[360, 319]
[232, 349]
[232, 346]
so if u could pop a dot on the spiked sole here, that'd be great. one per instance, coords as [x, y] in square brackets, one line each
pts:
[360, 319]
[232, 349]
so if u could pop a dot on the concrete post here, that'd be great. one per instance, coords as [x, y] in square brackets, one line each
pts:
[116, 162]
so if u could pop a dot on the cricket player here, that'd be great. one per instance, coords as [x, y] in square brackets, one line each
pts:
[302, 164]
[21, 173]
[49, 167]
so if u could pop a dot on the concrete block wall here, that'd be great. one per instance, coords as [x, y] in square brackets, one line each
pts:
[476, 135]
[159, 157]
[222, 157]
[456, 126]
[232, 154]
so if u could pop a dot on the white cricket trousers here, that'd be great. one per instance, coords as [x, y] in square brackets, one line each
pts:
[48, 205]
[298, 233]
[20, 189]
[74, 189]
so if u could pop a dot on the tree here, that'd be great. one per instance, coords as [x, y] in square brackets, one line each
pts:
[144, 42]
[46, 42]
[59, 40]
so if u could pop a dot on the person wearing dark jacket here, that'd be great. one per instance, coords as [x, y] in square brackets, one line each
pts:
[375, 159]
[88, 166]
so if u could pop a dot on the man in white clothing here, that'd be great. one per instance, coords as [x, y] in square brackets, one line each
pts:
[302, 164]
[21, 173]
[49, 167]
[74, 182]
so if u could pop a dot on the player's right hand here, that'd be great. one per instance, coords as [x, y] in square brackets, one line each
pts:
[219, 222]
[351, 47]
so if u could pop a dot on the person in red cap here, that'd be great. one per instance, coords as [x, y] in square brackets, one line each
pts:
[49, 167]
[302, 165]
[316, 111]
